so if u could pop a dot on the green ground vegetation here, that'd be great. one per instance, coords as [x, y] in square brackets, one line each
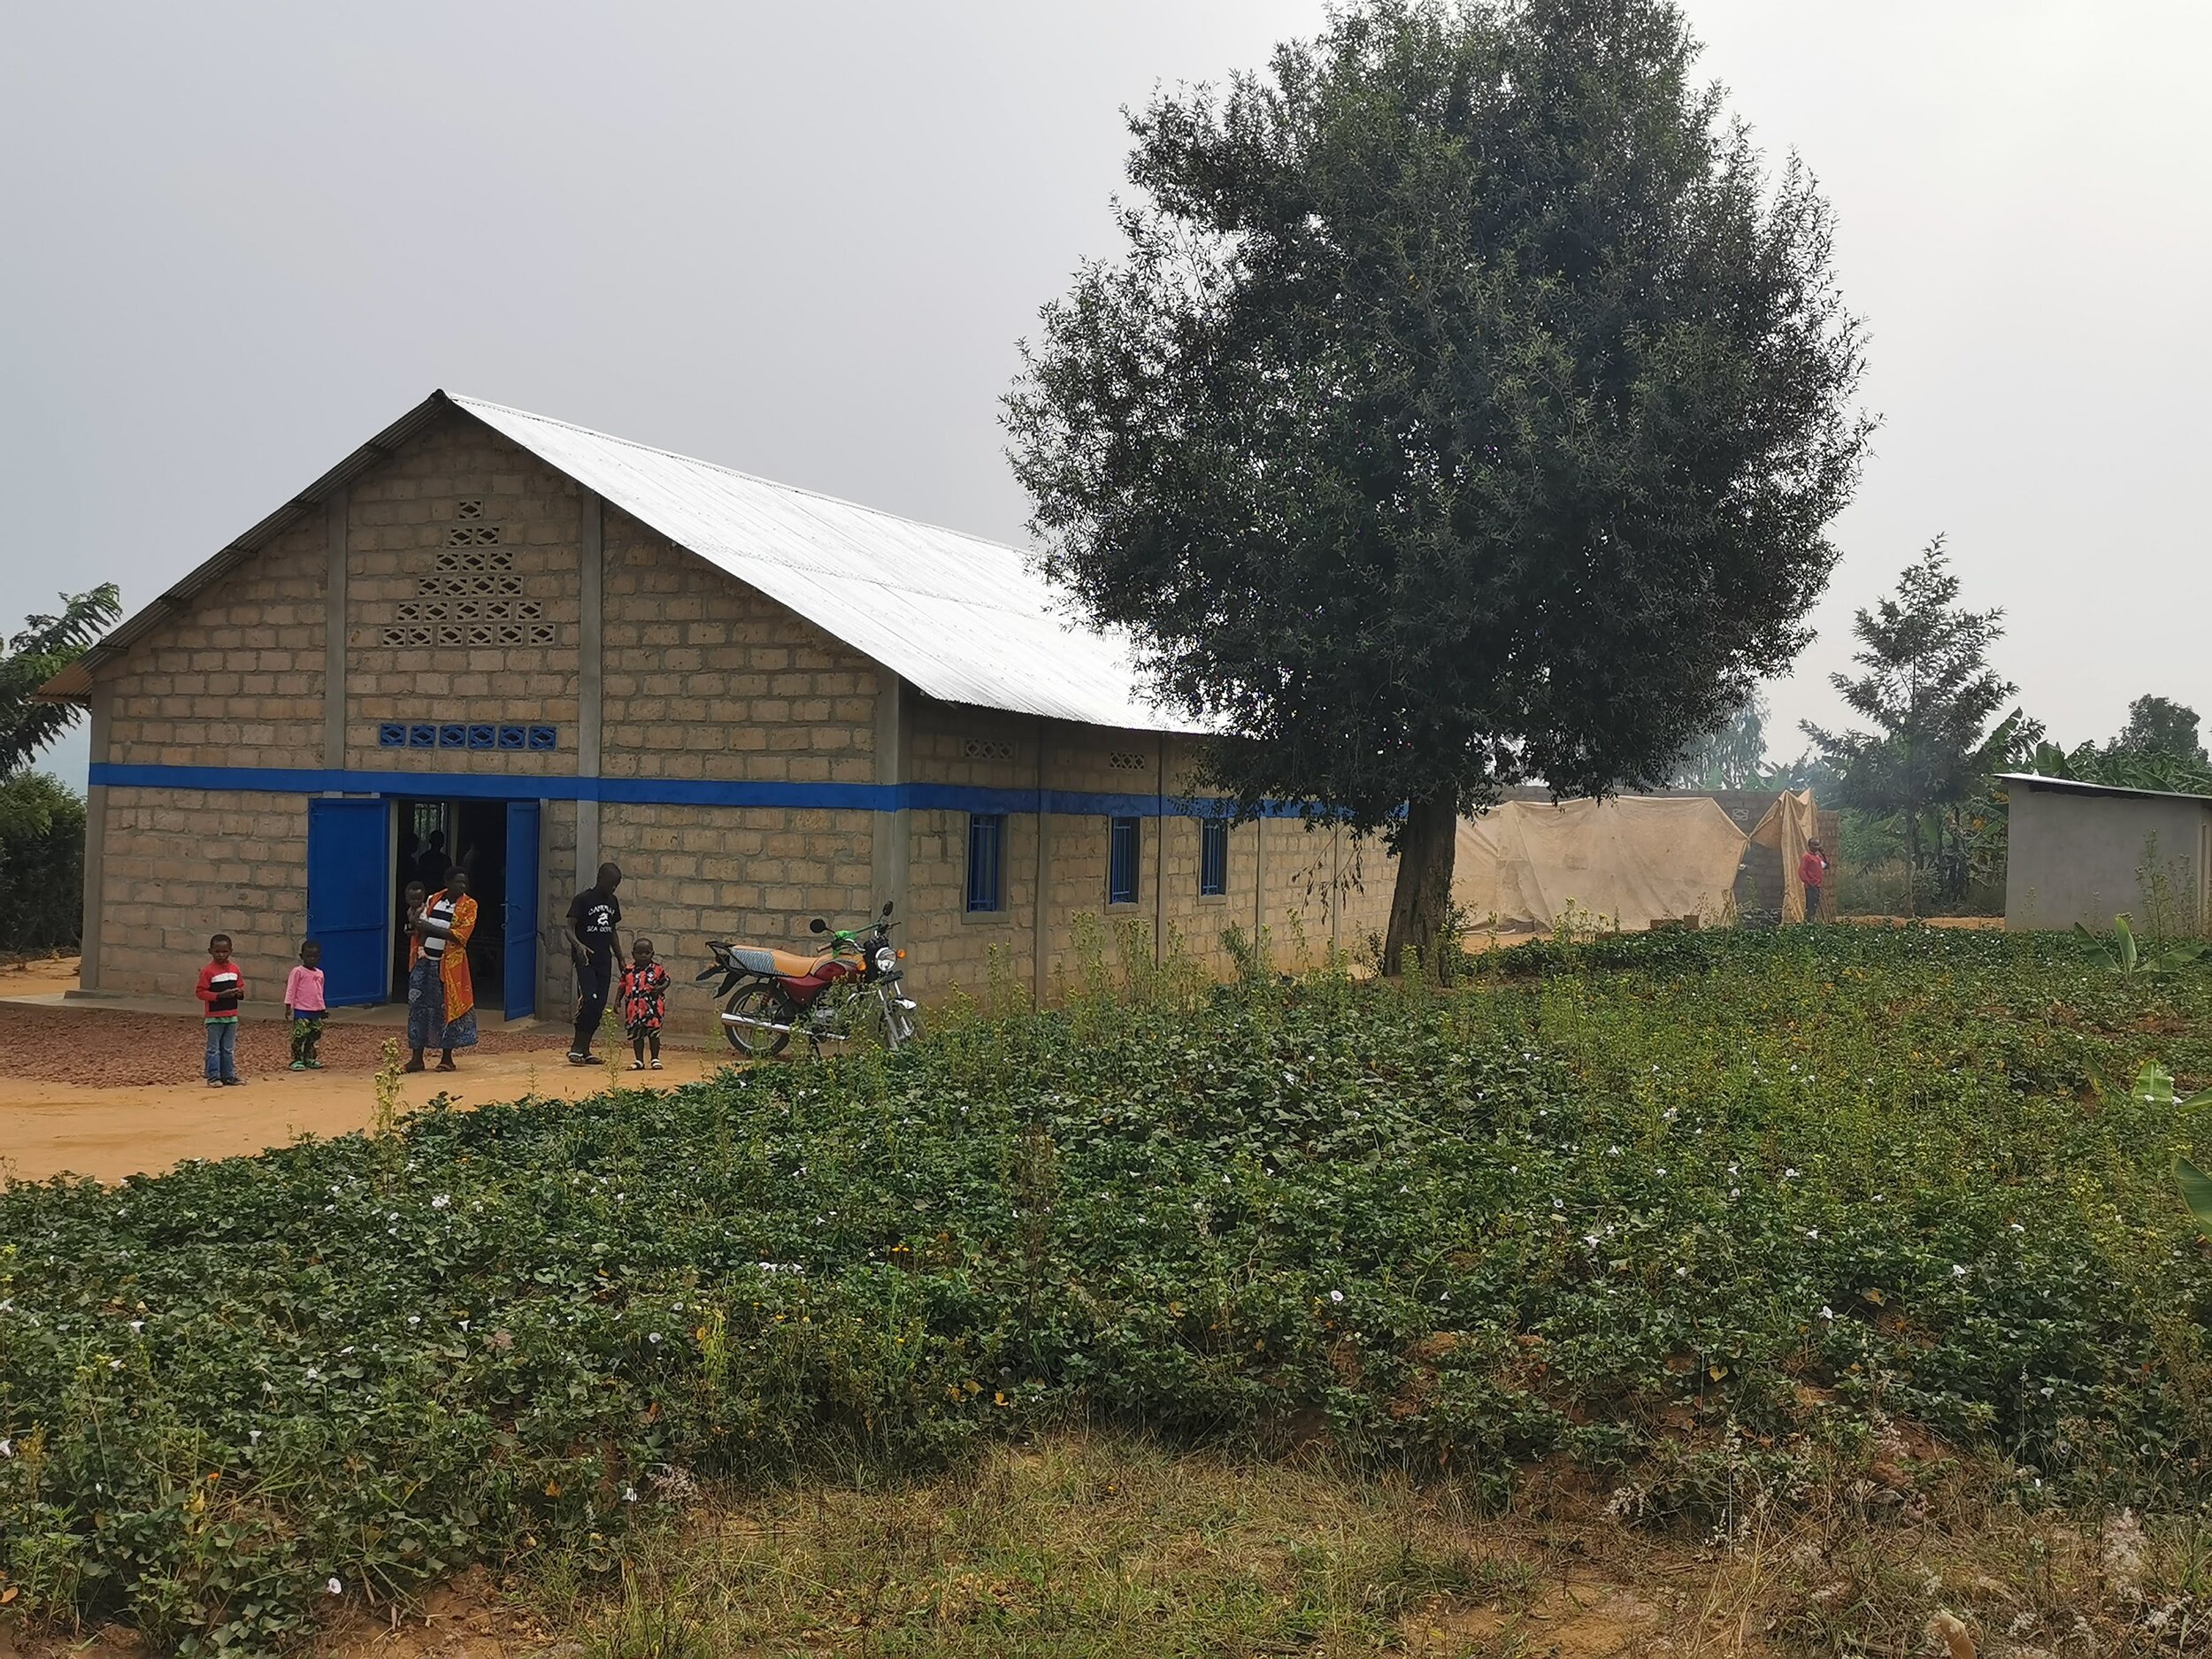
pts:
[1681, 1220]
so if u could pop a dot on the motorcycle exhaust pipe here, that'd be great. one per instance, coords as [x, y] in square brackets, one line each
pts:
[788, 1031]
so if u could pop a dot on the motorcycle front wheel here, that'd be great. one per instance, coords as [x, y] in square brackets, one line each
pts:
[758, 1000]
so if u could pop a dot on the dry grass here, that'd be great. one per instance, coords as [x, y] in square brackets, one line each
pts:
[1092, 1545]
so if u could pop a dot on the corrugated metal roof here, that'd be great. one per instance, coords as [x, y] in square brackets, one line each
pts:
[2037, 781]
[963, 619]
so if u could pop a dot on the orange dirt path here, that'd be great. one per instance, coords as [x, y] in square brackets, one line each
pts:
[58, 1114]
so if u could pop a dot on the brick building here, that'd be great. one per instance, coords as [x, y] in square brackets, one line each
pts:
[548, 647]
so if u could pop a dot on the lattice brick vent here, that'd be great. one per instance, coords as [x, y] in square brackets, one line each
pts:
[1127, 760]
[465, 734]
[985, 749]
[471, 597]
[472, 508]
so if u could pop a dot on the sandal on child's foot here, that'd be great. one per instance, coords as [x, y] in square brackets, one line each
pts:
[657, 1065]
[299, 1066]
[412, 1065]
[445, 1065]
[314, 1065]
[637, 1065]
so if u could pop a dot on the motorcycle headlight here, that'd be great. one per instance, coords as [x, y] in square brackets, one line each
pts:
[886, 959]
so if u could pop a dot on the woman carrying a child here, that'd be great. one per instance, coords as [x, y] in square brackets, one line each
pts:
[441, 997]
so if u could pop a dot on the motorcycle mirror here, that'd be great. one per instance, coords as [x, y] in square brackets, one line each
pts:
[817, 925]
[887, 907]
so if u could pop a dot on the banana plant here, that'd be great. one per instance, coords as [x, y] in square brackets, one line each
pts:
[2155, 1087]
[2126, 957]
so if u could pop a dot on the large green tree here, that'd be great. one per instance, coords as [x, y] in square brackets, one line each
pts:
[1466, 409]
[1932, 698]
[2161, 727]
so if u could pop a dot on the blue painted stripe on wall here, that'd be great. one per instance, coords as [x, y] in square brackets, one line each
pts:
[849, 797]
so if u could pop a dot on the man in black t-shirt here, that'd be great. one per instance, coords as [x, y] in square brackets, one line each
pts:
[593, 916]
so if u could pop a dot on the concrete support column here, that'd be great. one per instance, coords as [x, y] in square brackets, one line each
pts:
[96, 826]
[337, 509]
[891, 839]
[1259, 879]
[1040, 942]
[1159, 859]
[591, 576]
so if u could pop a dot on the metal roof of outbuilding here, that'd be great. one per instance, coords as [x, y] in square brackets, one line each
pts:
[2038, 782]
[961, 618]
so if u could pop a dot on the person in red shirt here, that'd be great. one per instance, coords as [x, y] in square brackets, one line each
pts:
[220, 990]
[1812, 871]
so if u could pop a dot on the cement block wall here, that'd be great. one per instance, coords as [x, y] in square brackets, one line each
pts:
[468, 594]
[2081, 857]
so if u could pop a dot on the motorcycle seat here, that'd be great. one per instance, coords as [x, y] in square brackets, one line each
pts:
[783, 964]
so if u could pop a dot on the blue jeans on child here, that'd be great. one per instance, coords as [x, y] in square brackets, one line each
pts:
[222, 1050]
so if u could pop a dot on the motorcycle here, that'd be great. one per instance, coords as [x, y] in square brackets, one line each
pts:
[849, 989]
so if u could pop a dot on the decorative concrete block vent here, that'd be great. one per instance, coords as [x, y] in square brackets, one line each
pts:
[473, 593]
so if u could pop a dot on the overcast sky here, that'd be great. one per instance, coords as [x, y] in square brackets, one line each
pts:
[803, 240]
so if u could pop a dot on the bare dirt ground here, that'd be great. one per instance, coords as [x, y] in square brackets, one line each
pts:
[107, 1093]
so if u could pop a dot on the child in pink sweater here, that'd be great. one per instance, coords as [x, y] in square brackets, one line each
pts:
[303, 1006]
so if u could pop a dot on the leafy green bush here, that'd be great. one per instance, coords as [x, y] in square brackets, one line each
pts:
[1679, 1209]
[42, 864]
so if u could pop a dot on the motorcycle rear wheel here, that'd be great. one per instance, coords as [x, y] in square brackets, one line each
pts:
[758, 1000]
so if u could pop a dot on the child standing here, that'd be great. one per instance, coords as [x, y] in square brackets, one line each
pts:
[222, 987]
[304, 1007]
[644, 1003]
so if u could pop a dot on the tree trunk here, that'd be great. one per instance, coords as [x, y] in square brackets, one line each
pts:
[1422, 898]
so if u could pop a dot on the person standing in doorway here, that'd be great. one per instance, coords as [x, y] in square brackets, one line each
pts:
[592, 916]
[432, 864]
[1812, 873]
[440, 996]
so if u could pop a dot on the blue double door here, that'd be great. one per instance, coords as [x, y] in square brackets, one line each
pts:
[357, 864]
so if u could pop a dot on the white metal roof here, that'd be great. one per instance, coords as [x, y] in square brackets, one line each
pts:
[964, 620]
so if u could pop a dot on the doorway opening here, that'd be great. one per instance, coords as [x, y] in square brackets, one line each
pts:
[432, 837]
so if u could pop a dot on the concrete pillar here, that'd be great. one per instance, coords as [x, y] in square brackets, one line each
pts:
[96, 826]
[891, 838]
[591, 577]
[337, 508]
[1159, 859]
[1040, 941]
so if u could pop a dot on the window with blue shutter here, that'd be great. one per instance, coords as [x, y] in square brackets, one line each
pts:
[1121, 860]
[1213, 857]
[986, 849]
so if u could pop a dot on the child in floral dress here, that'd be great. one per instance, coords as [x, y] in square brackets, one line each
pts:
[644, 1003]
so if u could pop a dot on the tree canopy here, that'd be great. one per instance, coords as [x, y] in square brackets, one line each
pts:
[1929, 694]
[2159, 726]
[1467, 409]
[40, 649]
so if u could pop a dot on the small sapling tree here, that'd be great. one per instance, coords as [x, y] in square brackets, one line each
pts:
[1467, 409]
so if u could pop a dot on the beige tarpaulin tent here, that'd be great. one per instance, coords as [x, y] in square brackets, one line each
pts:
[1791, 823]
[1631, 860]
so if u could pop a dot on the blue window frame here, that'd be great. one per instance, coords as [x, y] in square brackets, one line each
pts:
[1213, 857]
[1122, 845]
[986, 860]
